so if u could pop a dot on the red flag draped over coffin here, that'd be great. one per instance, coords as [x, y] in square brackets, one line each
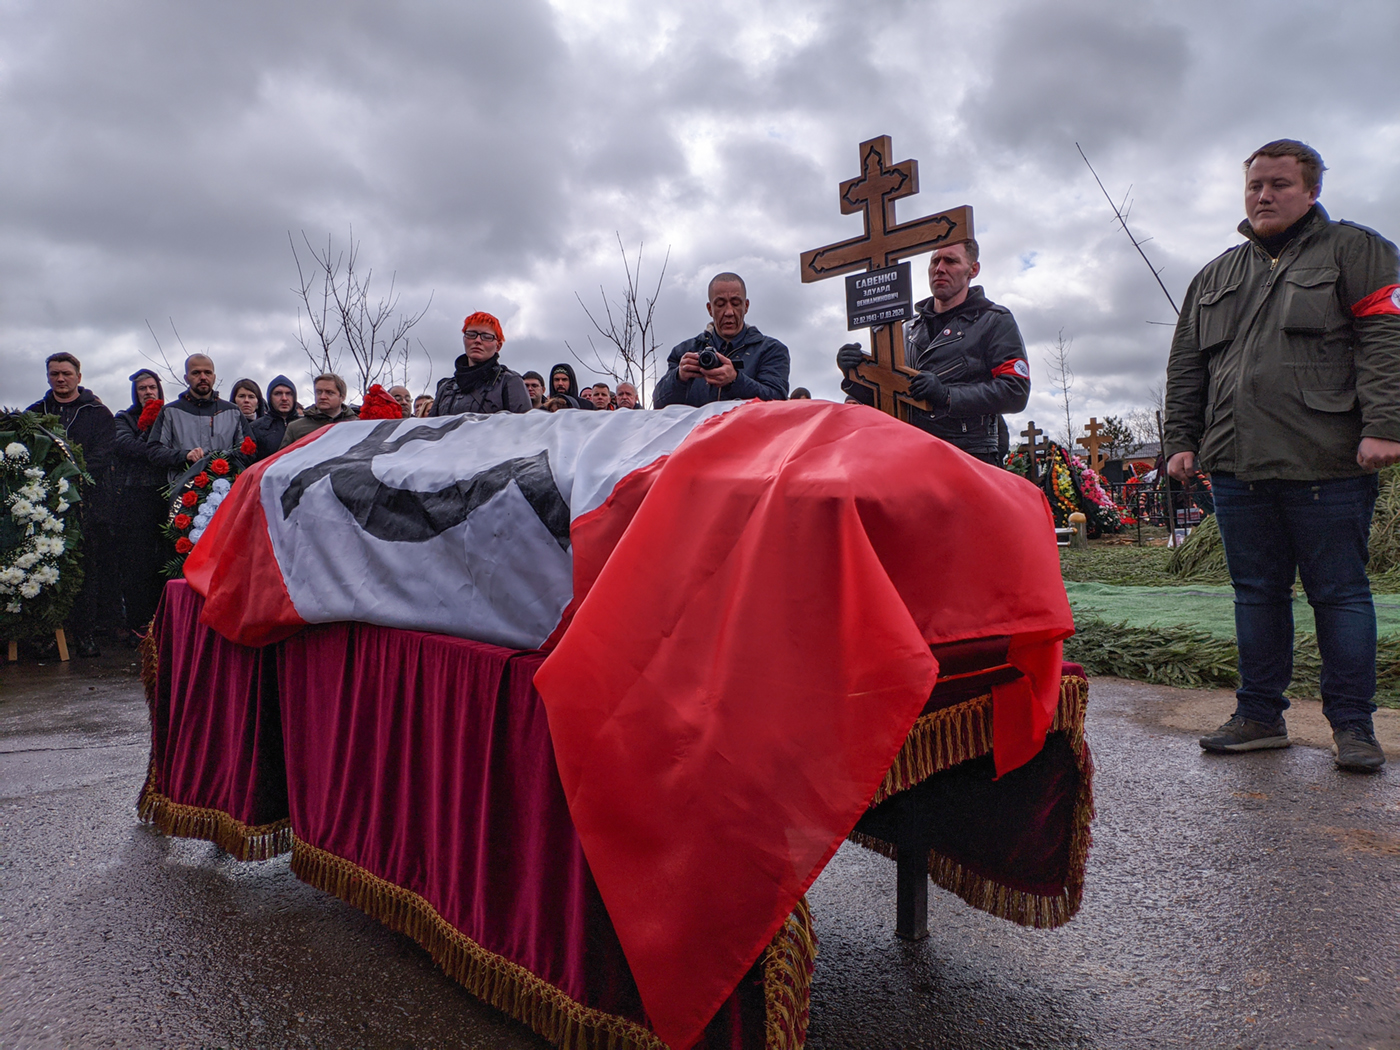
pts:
[746, 648]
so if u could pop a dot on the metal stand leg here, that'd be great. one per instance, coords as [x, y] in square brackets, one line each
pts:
[911, 894]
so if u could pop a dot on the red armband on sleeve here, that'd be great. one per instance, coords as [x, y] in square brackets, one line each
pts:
[1385, 301]
[1016, 366]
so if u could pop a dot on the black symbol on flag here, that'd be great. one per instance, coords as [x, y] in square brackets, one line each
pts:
[402, 516]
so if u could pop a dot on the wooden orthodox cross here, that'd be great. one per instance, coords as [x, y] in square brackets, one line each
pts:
[884, 242]
[1034, 449]
[1092, 442]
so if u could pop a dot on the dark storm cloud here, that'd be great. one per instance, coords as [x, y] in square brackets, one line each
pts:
[1095, 72]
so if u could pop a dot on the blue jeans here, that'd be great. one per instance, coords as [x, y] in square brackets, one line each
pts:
[1318, 529]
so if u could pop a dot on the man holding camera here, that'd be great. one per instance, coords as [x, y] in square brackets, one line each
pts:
[968, 350]
[729, 360]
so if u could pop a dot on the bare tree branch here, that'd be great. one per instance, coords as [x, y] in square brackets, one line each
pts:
[627, 328]
[175, 376]
[1062, 378]
[1122, 217]
[344, 314]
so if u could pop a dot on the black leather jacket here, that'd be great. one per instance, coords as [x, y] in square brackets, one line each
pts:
[976, 349]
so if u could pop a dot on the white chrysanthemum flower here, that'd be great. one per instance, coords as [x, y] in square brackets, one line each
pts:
[21, 508]
[46, 576]
[14, 607]
[12, 577]
[29, 589]
[14, 450]
[62, 486]
[52, 524]
[62, 507]
[28, 559]
[40, 512]
[33, 473]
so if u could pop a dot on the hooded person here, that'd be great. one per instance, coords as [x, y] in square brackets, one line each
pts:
[282, 408]
[139, 508]
[480, 383]
[568, 390]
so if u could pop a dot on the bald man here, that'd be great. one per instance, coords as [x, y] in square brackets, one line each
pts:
[195, 423]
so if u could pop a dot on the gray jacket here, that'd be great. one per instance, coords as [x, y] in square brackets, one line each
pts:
[1279, 367]
[186, 423]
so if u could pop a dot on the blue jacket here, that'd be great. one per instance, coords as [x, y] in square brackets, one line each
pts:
[762, 363]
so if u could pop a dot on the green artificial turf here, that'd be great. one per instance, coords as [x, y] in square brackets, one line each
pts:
[1200, 607]
[1183, 634]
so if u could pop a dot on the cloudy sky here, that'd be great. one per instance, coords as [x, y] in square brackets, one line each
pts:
[158, 155]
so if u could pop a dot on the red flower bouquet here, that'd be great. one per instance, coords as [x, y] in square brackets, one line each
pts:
[148, 414]
[379, 405]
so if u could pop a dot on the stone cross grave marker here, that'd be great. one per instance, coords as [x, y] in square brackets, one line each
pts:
[1092, 441]
[884, 242]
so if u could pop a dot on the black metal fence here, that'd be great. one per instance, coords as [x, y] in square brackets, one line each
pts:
[1157, 506]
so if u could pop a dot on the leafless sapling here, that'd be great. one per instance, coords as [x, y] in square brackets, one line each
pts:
[627, 328]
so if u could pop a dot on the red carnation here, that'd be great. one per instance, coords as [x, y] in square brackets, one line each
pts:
[183, 545]
[199, 481]
[248, 447]
[148, 414]
[219, 467]
[182, 521]
[189, 499]
[379, 405]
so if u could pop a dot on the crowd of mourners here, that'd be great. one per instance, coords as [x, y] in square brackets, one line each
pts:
[138, 455]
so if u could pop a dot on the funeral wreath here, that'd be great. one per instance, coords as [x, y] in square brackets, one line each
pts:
[40, 532]
[196, 496]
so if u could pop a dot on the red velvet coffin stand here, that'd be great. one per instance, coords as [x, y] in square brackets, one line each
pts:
[412, 775]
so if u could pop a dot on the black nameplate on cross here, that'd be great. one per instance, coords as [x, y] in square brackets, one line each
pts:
[884, 242]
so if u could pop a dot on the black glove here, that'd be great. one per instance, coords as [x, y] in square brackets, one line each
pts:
[848, 357]
[928, 387]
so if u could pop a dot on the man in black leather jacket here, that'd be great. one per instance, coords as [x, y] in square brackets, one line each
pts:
[971, 360]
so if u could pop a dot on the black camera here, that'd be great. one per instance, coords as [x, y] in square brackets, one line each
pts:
[709, 359]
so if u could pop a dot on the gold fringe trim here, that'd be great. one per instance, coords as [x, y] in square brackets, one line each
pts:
[257, 842]
[942, 736]
[788, 964]
[515, 991]
[507, 986]
[941, 740]
[150, 661]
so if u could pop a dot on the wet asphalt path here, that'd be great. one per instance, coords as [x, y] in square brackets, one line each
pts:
[1239, 902]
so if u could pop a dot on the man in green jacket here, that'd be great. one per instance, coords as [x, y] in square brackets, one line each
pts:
[330, 408]
[1284, 385]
